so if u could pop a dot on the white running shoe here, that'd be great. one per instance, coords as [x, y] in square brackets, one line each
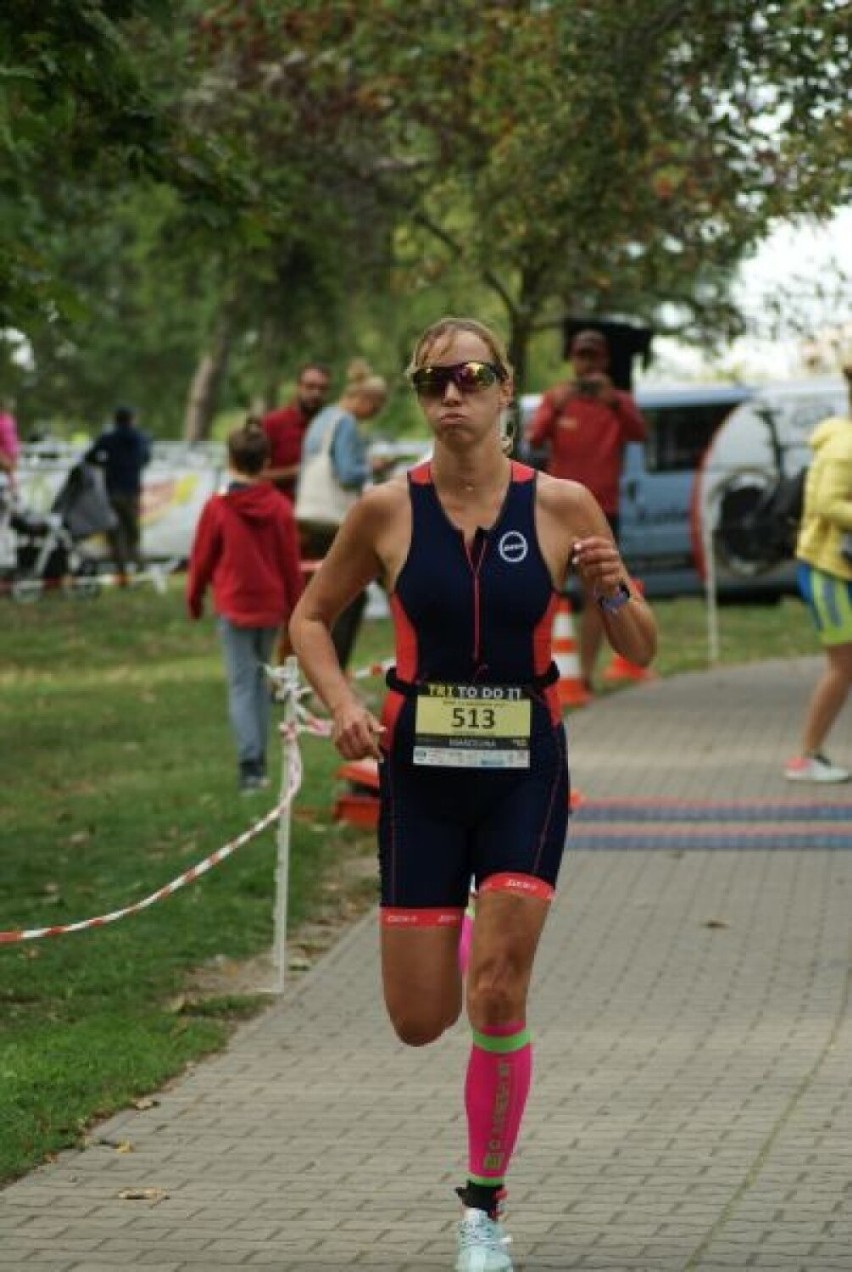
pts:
[482, 1244]
[814, 768]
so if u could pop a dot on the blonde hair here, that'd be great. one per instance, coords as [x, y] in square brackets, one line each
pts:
[362, 379]
[445, 328]
[441, 332]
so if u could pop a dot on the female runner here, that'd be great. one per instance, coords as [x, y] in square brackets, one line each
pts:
[473, 549]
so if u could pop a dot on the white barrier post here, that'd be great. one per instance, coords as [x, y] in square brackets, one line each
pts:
[710, 594]
[286, 680]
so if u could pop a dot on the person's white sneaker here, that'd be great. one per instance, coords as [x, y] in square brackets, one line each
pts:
[482, 1244]
[814, 768]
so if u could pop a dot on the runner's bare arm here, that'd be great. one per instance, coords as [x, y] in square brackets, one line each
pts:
[575, 534]
[353, 562]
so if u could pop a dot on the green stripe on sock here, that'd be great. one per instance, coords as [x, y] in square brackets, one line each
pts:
[501, 1044]
[489, 1181]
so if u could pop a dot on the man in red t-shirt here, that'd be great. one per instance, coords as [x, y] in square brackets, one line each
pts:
[586, 423]
[286, 427]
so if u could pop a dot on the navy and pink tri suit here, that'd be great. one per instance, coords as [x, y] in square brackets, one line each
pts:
[475, 613]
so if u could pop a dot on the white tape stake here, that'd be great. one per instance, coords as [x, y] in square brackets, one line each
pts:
[286, 682]
[296, 718]
[710, 593]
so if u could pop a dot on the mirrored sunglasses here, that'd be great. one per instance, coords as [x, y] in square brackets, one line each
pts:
[468, 377]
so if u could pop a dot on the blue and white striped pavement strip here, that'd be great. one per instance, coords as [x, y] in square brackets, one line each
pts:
[698, 825]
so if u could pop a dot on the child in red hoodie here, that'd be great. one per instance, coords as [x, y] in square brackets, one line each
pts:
[246, 546]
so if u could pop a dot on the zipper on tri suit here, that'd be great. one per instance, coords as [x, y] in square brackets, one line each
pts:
[475, 554]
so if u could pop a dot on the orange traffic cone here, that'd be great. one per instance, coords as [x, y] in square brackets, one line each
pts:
[570, 688]
[360, 804]
[621, 669]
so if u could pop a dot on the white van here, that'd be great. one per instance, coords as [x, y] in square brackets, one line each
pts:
[703, 441]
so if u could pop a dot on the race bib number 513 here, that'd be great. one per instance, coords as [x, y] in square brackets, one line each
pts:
[472, 726]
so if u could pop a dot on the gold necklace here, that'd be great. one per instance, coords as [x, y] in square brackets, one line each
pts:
[470, 488]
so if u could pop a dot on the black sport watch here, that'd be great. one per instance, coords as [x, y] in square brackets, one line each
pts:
[612, 604]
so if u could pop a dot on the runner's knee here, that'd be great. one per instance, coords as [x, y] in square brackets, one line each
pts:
[416, 1030]
[496, 993]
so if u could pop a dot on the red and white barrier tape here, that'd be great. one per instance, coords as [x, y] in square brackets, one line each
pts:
[294, 781]
[373, 669]
[286, 681]
[287, 689]
[321, 726]
[87, 585]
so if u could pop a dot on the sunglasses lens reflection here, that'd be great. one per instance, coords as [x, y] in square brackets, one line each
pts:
[475, 375]
[468, 377]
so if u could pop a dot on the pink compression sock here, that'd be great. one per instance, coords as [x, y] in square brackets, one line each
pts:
[499, 1073]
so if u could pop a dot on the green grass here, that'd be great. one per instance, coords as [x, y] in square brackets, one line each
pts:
[746, 633]
[118, 773]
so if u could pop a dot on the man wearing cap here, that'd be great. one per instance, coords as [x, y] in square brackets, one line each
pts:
[585, 424]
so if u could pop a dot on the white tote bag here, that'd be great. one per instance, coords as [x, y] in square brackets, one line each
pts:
[320, 498]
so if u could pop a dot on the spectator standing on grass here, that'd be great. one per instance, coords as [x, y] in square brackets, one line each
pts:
[123, 451]
[339, 430]
[246, 548]
[10, 449]
[825, 581]
[586, 423]
[286, 427]
[474, 550]
[10, 445]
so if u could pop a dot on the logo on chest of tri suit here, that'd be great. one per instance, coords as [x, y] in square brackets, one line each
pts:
[513, 547]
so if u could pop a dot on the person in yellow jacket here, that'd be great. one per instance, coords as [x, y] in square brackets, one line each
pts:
[825, 581]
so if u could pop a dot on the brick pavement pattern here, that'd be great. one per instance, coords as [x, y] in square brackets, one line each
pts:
[691, 1105]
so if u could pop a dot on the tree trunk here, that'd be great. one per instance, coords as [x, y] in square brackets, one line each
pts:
[207, 380]
[272, 339]
[521, 316]
[519, 339]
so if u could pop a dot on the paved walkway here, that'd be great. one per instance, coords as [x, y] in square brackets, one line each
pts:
[691, 1108]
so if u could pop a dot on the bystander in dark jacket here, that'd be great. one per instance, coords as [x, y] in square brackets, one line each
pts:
[123, 451]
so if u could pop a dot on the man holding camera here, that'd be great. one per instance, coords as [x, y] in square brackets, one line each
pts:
[585, 424]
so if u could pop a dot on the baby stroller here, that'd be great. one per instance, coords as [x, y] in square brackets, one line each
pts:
[48, 546]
